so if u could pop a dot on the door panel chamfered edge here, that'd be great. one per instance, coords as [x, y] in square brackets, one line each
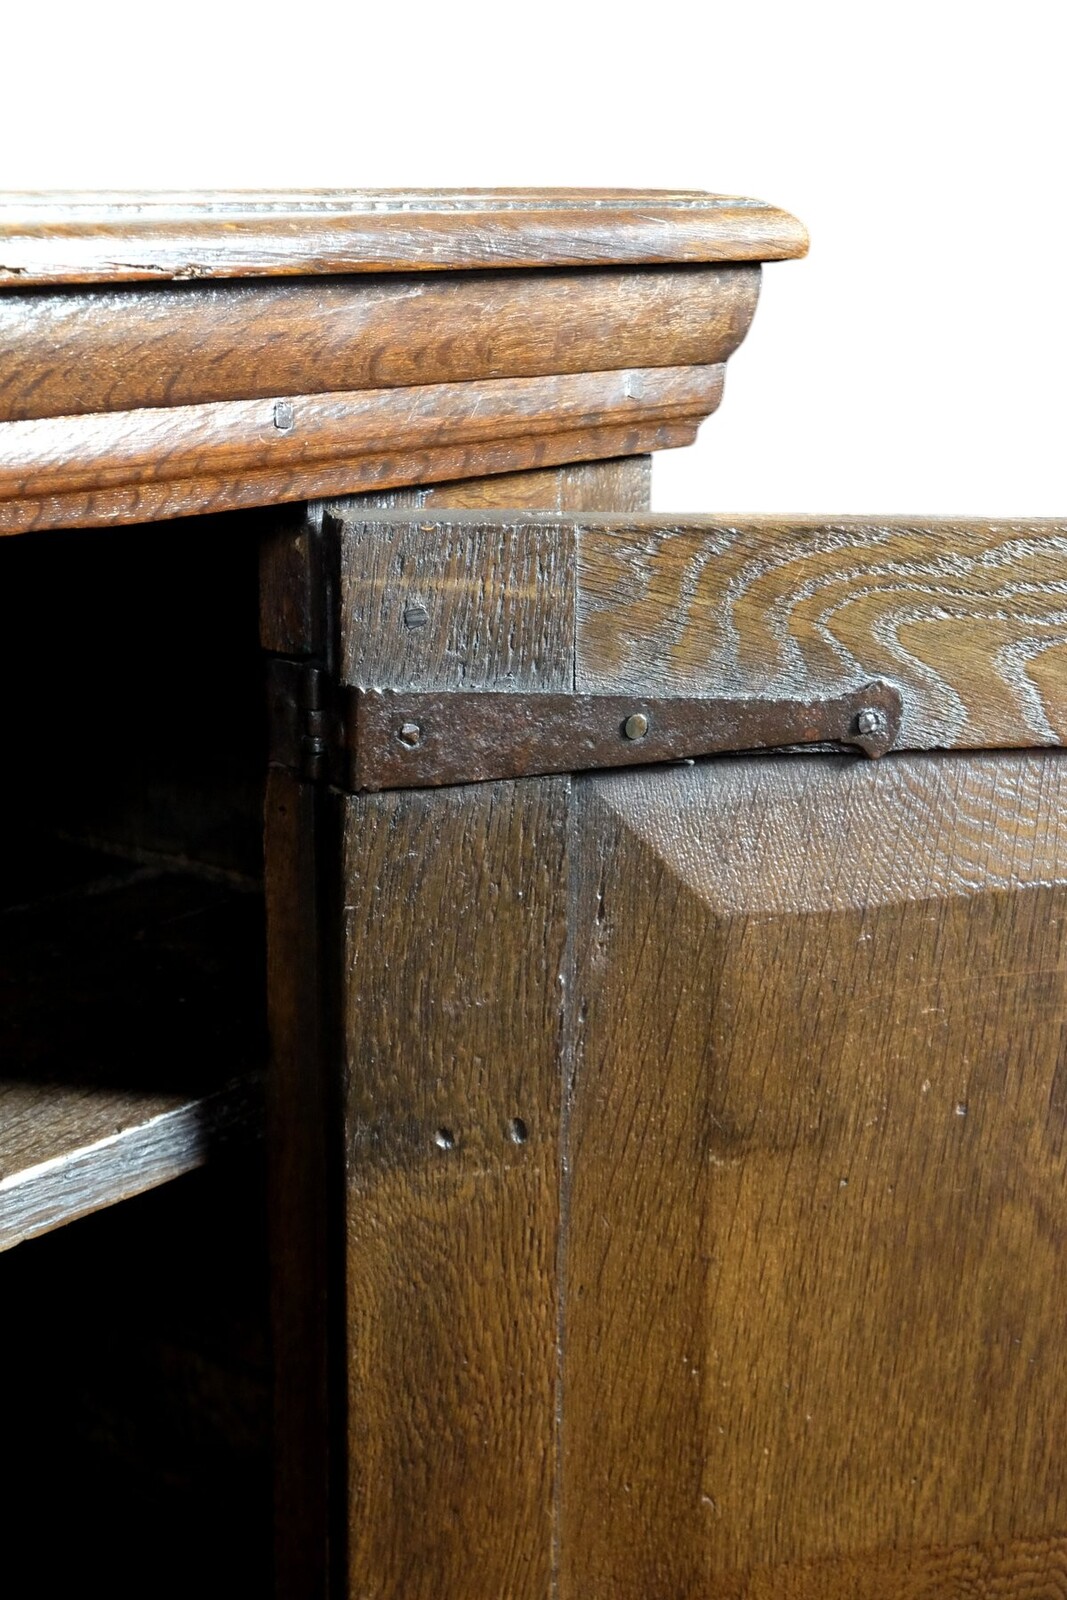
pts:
[813, 1325]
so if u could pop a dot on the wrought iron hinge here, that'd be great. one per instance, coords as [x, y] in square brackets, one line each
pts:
[369, 739]
[305, 733]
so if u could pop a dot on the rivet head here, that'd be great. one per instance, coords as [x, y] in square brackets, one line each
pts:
[409, 733]
[871, 721]
[636, 726]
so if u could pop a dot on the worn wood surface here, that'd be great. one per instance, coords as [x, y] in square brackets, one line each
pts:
[112, 237]
[624, 483]
[491, 1195]
[500, 609]
[201, 496]
[813, 1333]
[130, 1032]
[451, 1118]
[810, 1147]
[96, 1147]
[122, 467]
[297, 564]
[59, 455]
[968, 617]
[452, 1091]
[1005, 1569]
[66, 352]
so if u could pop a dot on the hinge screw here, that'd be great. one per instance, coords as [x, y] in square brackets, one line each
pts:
[871, 721]
[410, 733]
[636, 727]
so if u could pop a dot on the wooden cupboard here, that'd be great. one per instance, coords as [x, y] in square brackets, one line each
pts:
[663, 967]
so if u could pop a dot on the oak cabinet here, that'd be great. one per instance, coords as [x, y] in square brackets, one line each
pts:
[663, 965]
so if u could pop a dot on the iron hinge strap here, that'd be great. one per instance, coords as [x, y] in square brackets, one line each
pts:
[366, 739]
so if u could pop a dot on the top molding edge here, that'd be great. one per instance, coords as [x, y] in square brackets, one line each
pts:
[104, 238]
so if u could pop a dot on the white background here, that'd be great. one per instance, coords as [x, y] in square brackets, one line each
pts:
[912, 363]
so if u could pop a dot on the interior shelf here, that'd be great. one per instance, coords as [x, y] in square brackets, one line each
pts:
[131, 1030]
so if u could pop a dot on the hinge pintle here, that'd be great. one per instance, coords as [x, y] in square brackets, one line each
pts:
[304, 737]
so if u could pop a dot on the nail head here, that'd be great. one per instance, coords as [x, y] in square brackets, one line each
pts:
[871, 721]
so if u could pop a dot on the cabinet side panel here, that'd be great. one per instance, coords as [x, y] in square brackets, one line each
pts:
[455, 934]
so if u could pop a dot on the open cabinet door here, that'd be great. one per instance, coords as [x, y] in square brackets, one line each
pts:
[690, 1130]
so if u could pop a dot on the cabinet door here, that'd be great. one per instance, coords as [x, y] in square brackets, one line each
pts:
[699, 1128]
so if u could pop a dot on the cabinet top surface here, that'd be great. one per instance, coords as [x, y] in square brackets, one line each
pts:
[109, 237]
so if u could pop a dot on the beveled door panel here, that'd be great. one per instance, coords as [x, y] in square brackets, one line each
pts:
[814, 1338]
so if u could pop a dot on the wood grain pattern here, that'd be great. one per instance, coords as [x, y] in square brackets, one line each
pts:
[86, 238]
[624, 484]
[452, 1089]
[452, 1110]
[792, 864]
[500, 604]
[67, 352]
[1015, 1569]
[794, 1027]
[107, 1146]
[124, 467]
[969, 618]
[198, 497]
[814, 1338]
[68, 454]
[305, 874]
[131, 1038]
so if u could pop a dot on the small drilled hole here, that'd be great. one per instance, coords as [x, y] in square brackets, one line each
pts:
[445, 1139]
[517, 1131]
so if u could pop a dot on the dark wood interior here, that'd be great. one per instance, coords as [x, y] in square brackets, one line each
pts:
[132, 1045]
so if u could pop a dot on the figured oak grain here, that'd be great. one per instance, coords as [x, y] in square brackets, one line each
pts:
[969, 618]
[64, 455]
[165, 462]
[51, 238]
[813, 1330]
[67, 352]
